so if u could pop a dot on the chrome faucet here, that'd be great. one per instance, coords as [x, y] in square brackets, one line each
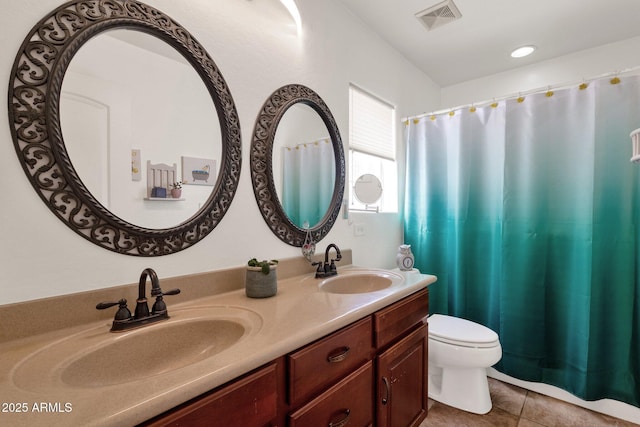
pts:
[123, 319]
[328, 268]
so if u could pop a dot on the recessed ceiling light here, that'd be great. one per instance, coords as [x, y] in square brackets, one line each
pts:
[522, 51]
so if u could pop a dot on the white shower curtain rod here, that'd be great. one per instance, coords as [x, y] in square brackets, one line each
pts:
[628, 71]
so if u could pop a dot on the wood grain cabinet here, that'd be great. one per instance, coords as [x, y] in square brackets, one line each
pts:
[372, 372]
[402, 382]
[331, 380]
[319, 365]
[402, 360]
[398, 362]
[251, 400]
[347, 403]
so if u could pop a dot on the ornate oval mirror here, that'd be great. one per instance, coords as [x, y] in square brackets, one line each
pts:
[34, 114]
[317, 183]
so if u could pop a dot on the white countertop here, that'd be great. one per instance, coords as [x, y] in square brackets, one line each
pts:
[298, 314]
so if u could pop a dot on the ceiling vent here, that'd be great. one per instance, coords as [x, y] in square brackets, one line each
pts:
[439, 15]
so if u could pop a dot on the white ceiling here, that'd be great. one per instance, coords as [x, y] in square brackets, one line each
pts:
[479, 43]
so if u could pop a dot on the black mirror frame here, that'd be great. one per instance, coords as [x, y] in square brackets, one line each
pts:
[34, 119]
[262, 169]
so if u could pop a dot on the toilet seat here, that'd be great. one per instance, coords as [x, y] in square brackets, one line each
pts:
[461, 332]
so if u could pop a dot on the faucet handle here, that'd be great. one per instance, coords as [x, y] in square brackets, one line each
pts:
[123, 312]
[156, 291]
[320, 271]
[159, 306]
[103, 305]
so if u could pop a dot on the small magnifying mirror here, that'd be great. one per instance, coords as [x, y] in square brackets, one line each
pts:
[368, 189]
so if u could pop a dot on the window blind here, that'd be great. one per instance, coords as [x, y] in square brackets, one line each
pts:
[371, 125]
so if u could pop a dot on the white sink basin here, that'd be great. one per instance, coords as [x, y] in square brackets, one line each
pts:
[97, 358]
[360, 281]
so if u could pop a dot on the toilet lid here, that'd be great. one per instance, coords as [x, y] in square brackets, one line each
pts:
[455, 330]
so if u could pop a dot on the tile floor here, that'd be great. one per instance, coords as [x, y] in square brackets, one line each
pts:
[516, 407]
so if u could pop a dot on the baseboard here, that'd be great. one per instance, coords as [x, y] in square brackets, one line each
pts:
[610, 407]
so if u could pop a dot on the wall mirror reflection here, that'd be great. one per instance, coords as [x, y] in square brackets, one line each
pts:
[111, 104]
[297, 165]
[75, 125]
[303, 165]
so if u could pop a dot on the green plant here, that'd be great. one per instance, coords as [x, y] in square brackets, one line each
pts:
[264, 265]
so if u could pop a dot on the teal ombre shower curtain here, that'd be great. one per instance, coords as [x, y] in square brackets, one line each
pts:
[527, 211]
[308, 181]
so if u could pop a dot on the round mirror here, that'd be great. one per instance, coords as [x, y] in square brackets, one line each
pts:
[297, 192]
[110, 107]
[59, 175]
[368, 189]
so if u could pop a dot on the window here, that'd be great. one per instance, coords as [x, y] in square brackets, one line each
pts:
[372, 148]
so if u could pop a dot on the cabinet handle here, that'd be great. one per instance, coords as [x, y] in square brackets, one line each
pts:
[385, 399]
[335, 358]
[343, 422]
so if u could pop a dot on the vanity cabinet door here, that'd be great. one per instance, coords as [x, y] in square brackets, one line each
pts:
[249, 401]
[320, 364]
[402, 381]
[348, 403]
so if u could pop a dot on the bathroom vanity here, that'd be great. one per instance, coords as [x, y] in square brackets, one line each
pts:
[344, 349]
[294, 358]
[332, 381]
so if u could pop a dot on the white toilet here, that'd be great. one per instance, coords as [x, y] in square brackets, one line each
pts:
[460, 351]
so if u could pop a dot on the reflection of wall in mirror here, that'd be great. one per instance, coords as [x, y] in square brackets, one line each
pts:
[90, 142]
[155, 104]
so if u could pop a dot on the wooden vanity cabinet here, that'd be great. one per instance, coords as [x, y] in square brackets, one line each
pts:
[398, 363]
[349, 402]
[251, 400]
[372, 372]
[402, 381]
[393, 321]
[331, 380]
[317, 366]
[401, 370]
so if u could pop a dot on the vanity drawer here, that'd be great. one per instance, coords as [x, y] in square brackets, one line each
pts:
[391, 322]
[350, 402]
[318, 365]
